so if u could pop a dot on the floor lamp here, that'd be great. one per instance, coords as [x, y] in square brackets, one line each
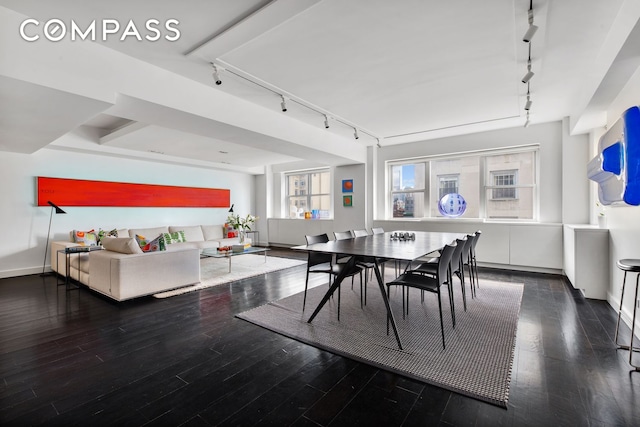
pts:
[46, 248]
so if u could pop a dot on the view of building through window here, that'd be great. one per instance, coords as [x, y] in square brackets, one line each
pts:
[309, 192]
[493, 185]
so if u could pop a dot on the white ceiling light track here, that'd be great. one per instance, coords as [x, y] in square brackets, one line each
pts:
[528, 36]
[286, 98]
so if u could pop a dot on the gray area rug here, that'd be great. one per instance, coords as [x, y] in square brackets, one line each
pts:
[215, 271]
[478, 357]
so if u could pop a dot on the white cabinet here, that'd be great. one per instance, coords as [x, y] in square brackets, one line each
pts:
[586, 259]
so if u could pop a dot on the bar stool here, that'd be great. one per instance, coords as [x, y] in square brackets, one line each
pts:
[633, 266]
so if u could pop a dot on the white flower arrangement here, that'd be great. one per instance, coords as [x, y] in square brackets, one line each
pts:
[240, 223]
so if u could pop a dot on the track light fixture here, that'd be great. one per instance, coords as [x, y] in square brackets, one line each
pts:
[526, 123]
[216, 75]
[291, 98]
[532, 28]
[527, 105]
[529, 74]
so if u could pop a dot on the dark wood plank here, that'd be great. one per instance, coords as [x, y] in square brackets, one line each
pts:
[76, 358]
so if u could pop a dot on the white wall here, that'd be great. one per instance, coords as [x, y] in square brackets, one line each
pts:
[623, 222]
[286, 232]
[532, 246]
[548, 135]
[24, 225]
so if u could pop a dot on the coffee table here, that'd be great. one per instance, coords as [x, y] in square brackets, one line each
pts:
[213, 253]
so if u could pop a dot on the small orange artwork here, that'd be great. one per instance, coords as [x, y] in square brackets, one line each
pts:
[347, 186]
[347, 201]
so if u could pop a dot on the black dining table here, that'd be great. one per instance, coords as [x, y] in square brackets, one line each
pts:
[379, 248]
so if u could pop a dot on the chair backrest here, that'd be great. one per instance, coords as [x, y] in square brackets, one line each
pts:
[457, 254]
[475, 241]
[466, 252]
[320, 238]
[446, 255]
[316, 258]
[343, 235]
[360, 233]
[377, 230]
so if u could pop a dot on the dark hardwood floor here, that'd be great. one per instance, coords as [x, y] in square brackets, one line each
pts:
[75, 358]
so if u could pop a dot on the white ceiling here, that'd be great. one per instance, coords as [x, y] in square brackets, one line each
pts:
[397, 71]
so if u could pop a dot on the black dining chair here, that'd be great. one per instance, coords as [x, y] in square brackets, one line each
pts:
[467, 261]
[473, 257]
[457, 268]
[343, 259]
[367, 263]
[427, 283]
[320, 263]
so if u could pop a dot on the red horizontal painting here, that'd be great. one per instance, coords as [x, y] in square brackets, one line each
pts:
[81, 192]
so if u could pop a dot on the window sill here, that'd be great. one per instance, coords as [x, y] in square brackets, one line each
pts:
[474, 220]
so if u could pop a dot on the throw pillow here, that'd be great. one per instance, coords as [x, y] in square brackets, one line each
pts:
[123, 245]
[154, 245]
[226, 229]
[175, 237]
[102, 234]
[85, 238]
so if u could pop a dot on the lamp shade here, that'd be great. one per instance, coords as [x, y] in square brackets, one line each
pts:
[58, 208]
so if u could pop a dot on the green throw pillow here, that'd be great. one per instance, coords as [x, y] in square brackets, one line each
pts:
[175, 237]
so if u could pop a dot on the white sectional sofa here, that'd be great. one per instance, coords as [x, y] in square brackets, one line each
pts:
[122, 271]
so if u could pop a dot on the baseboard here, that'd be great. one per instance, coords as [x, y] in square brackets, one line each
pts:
[626, 315]
[527, 269]
[24, 272]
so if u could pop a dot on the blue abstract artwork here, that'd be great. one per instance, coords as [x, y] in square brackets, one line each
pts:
[616, 168]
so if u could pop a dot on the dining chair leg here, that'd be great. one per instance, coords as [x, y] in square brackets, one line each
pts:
[403, 306]
[407, 300]
[475, 268]
[451, 297]
[366, 282]
[306, 283]
[471, 278]
[388, 295]
[339, 302]
[441, 322]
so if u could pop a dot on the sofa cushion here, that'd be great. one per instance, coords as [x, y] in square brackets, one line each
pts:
[122, 233]
[123, 245]
[148, 245]
[175, 237]
[85, 238]
[193, 233]
[212, 232]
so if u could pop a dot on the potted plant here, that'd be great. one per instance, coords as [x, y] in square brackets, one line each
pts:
[242, 224]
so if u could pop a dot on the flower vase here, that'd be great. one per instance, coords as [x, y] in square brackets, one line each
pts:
[241, 236]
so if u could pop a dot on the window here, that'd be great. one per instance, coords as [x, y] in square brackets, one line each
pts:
[494, 183]
[407, 192]
[447, 184]
[309, 191]
[504, 184]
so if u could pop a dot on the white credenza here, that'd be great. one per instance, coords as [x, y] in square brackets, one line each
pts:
[586, 259]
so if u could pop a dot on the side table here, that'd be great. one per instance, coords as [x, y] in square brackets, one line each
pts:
[67, 253]
[255, 235]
